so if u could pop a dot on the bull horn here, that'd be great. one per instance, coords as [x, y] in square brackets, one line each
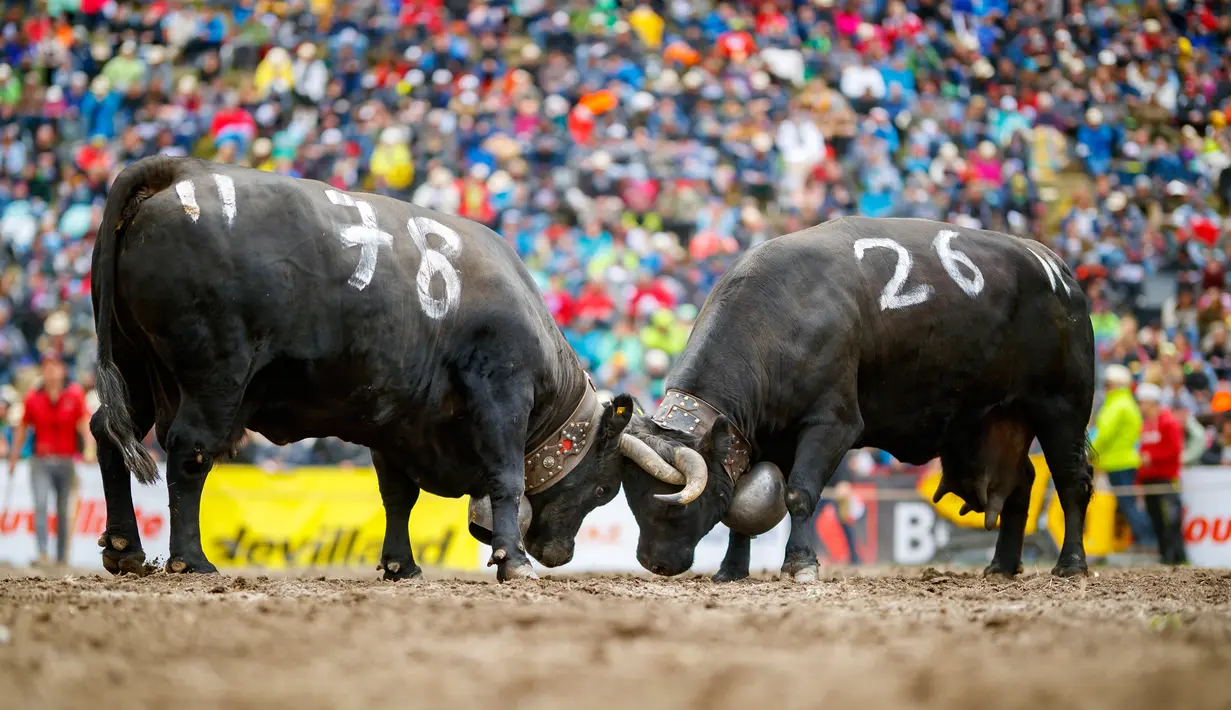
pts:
[696, 475]
[648, 459]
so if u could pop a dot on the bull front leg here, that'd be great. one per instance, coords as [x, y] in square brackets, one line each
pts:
[501, 410]
[735, 565]
[820, 449]
[398, 493]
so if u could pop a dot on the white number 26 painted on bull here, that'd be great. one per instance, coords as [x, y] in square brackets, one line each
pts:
[369, 238]
[892, 297]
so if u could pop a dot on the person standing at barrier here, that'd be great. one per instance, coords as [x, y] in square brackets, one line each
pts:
[1162, 442]
[1117, 438]
[56, 412]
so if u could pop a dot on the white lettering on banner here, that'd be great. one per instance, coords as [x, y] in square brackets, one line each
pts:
[892, 298]
[1052, 270]
[1206, 495]
[226, 193]
[89, 511]
[367, 236]
[435, 262]
[188, 198]
[950, 258]
[913, 540]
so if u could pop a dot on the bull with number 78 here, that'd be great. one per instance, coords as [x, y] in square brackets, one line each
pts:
[227, 298]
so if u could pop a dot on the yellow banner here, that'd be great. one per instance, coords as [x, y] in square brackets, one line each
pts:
[321, 517]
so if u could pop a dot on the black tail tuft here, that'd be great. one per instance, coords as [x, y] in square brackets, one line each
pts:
[117, 422]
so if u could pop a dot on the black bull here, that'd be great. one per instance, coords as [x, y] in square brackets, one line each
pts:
[227, 298]
[916, 337]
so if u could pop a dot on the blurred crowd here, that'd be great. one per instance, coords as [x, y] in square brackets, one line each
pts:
[630, 150]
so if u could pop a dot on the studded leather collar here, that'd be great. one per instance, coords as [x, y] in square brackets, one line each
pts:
[554, 459]
[689, 414]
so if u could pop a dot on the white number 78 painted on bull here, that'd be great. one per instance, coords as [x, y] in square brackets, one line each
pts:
[892, 297]
[369, 238]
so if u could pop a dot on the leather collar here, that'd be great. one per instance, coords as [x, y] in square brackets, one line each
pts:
[560, 453]
[687, 413]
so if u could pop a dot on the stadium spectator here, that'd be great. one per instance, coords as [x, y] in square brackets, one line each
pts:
[55, 414]
[1162, 442]
[1117, 440]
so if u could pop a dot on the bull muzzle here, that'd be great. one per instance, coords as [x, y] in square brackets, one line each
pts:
[759, 501]
[482, 523]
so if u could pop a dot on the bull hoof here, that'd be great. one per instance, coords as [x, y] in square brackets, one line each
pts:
[1072, 569]
[181, 565]
[121, 558]
[508, 572]
[396, 571]
[802, 570]
[999, 570]
[727, 575]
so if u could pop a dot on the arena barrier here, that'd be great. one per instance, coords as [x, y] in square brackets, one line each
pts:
[321, 518]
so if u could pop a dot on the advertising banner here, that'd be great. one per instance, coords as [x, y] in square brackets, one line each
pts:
[308, 518]
[89, 511]
[331, 518]
[1206, 496]
[321, 517]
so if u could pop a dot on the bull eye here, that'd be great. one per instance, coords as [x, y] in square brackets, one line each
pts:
[600, 491]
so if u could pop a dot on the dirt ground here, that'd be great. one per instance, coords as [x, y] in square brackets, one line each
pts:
[1146, 638]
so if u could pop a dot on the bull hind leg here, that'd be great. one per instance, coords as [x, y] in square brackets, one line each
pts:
[1007, 561]
[1063, 438]
[398, 493]
[121, 539]
[200, 433]
[982, 463]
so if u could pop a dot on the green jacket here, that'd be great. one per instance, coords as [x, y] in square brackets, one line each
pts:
[1118, 432]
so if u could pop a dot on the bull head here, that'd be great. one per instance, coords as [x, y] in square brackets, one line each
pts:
[551, 518]
[669, 535]
[759, 501]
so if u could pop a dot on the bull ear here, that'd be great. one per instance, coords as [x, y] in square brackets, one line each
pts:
[720, 437]
[616, 415]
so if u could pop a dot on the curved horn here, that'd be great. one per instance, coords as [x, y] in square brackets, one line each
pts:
[696, 475]
[641, 454]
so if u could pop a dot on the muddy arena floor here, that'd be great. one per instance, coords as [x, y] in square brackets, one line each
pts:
[1140, 638]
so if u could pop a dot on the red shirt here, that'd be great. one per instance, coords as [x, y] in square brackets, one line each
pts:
[1162, 439]
[55, 424]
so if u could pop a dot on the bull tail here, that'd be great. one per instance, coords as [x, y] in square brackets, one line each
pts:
[133, 185]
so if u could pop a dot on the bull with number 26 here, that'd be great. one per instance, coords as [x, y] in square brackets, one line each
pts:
[920, 338]
[227, 298]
